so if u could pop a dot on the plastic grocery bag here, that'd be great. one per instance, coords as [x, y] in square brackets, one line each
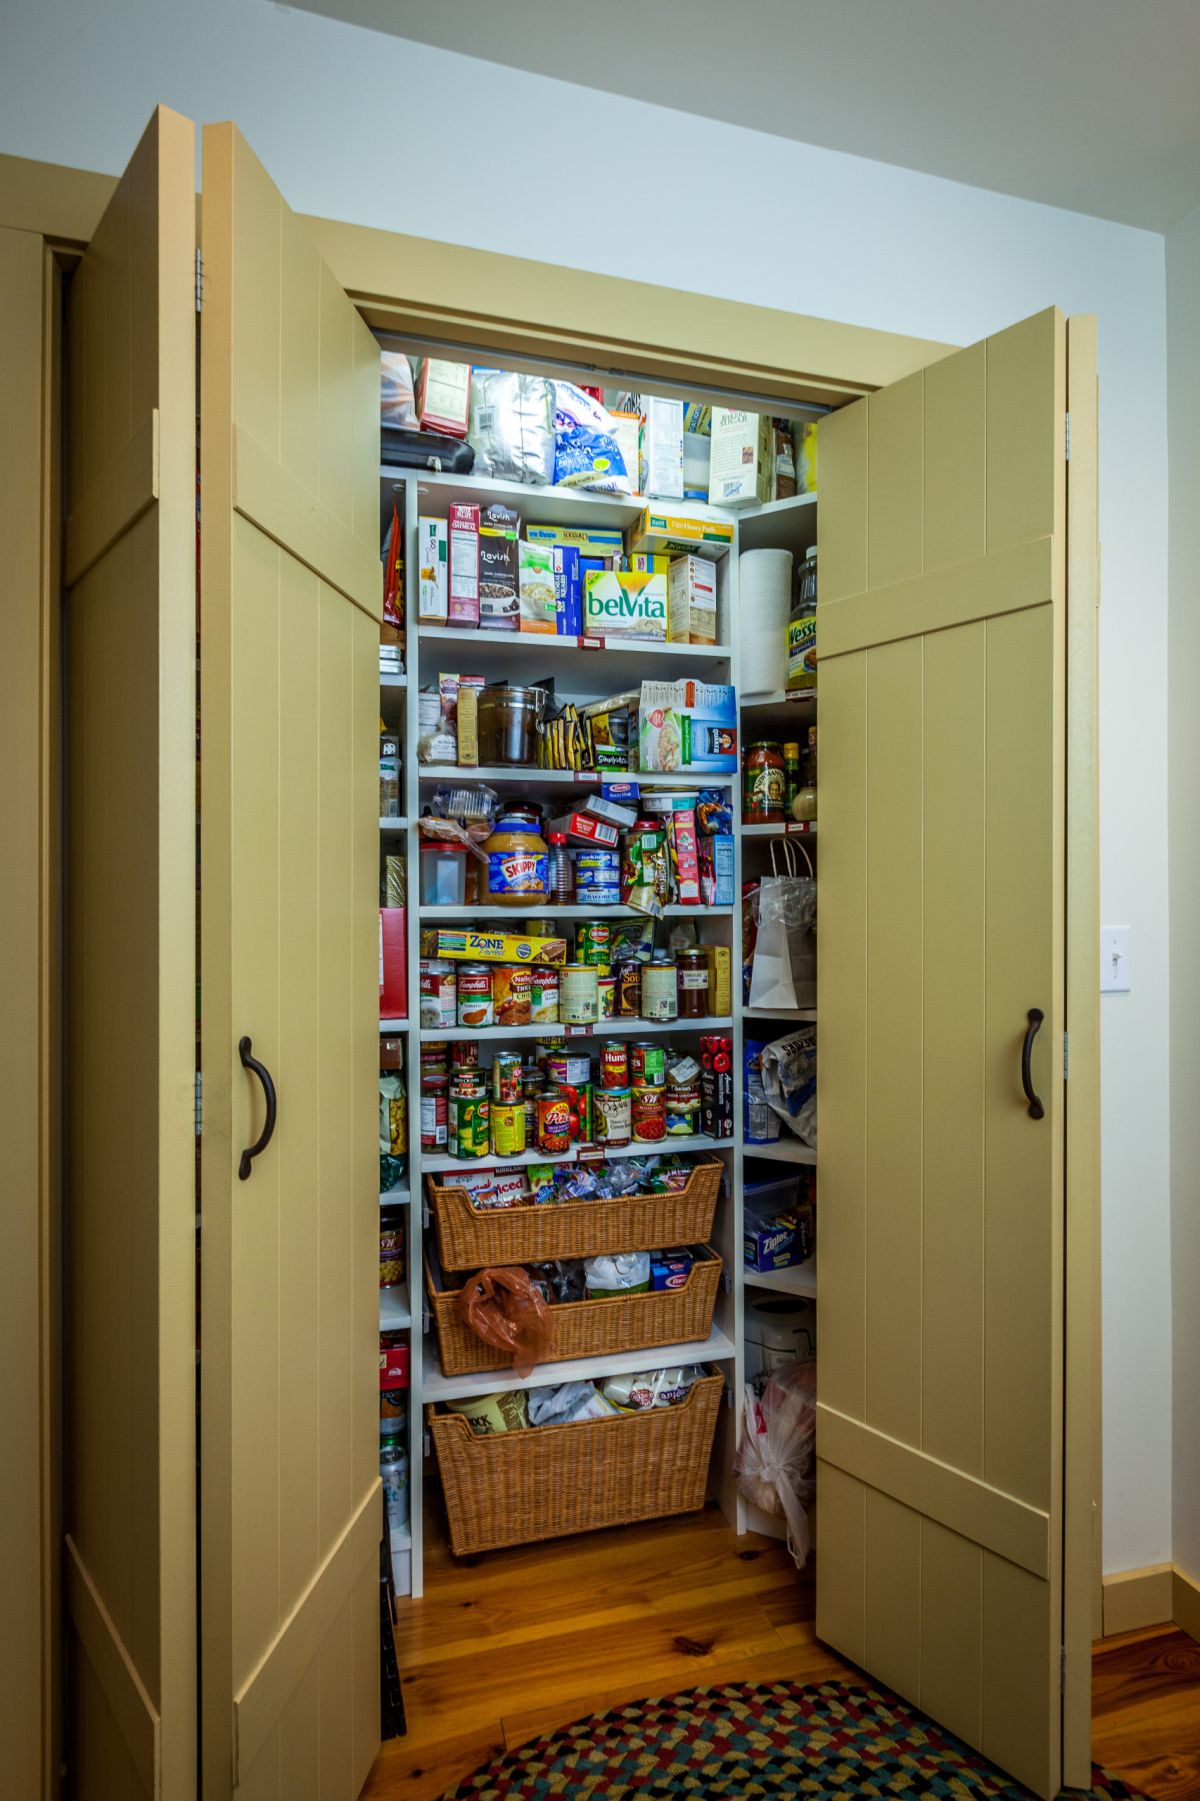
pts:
[774, 1462]
[505, 1309]
[784, 971]
[789, 1077]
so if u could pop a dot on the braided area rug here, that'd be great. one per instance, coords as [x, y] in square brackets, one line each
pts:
[748, 1742]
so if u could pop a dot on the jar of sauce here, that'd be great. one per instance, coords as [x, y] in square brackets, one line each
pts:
[764, 785]
[517, 864]
[691, 969]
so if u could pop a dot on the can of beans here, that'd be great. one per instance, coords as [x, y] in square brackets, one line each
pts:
[506, 1078]
[434, 1097]
[647, 1064]
[614, 1063]
[613, 1119]
[578, 995]
[553, 1122]
[593, 942]
[606, 993]
[467, 1084]
[512, 994]
[469, 1121]
[508, 1128]
[475, 996]
[543, 995]
[629, 990]
[648, 1114]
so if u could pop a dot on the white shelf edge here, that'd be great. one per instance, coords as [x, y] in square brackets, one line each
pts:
[782, 1150]
[716, 1348]
[798, 1279]
[394, 825]
[791, 828]
[806, 1015]
[400, 1537]
[574, 778]
[573, 911]
[603, 1028]
[552, 641]
[393, 1025]
[637, 1148]
[395, 1197]
[395, 1314]
[778, 697]
[393, 681]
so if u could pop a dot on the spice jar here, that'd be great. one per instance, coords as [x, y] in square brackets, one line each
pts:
[691, 967]
[509, 717]
[764, 785]
[517, 873]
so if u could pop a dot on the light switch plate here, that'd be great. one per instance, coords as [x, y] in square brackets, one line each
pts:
[1114, 960]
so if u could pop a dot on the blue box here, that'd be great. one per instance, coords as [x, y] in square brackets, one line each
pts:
[568, 590]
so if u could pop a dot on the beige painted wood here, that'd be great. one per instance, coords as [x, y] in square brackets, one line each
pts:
[1137, 1598]
[130, 1497]
[29, 650]
[291, 592]
[1081, 1471]
[943, 724]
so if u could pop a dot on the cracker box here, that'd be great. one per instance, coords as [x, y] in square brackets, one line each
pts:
[692, 601]
[716, 866]
[687, 725]
[625, 604]
[720, 986]
[716, 1085]
[663, 533]
[462, 526]
[495, 947]
[591, 541]
[743, 457]
[536, 595]
[432, 554]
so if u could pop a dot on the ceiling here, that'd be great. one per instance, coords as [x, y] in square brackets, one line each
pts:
[1086, 104]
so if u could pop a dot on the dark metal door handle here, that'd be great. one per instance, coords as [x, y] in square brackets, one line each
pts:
[265, 1136]
[1036, 1110]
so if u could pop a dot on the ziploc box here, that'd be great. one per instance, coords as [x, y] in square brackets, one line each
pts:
[568, 590]
[463, 528]
[497, 947]
[432, 551]
[659, 533]
[687, 725]
[743, 457]
[625, 604]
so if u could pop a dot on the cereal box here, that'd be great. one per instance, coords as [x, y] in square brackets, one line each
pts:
[692, 601]
[536, 594]
[463, 528]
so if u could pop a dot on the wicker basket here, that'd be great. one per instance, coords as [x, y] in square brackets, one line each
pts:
[476, 1238]
[511, 1488]
[588, 1328]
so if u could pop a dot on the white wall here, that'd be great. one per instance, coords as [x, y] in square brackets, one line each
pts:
[1183, 358]
[375, 130]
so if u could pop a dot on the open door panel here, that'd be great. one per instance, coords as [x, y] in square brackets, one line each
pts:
[290, 599]
[942, 901]
[129, 982]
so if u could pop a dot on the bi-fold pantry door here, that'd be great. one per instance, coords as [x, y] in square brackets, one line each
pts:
[942, 805]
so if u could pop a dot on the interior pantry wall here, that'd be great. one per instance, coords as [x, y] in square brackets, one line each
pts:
[375, 130]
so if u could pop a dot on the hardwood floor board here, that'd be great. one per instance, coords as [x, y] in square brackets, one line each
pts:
[421, 1770]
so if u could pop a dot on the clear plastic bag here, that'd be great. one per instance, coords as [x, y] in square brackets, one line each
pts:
[784, 971]
[774, 1463]
[506, 1309]
[789, 1075]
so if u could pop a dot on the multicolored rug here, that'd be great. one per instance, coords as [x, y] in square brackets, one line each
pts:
[747, 1742]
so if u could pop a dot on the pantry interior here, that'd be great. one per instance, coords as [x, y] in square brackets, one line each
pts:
[263, 1620]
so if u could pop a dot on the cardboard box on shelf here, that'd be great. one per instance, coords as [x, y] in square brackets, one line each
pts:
[662, 533]
[662, 447]
[743, 457]
[596, 541]
[493, 947]
[586, 828]
[568, 590]
[536, 591]
[462, 525]
[432, 551]
[443, 397]
[716, 870]
[720, 977]
[499, 567]
[628, 433]
[687, 725]
[393, 963]
[692, 600]
[625, 604]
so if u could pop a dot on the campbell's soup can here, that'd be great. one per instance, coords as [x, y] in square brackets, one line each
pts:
[508, 1128]
[553, 1122]
[578, 995]
[438, 990]
[506, 1078]
[606, 993]
[648, 1114]
[469, 1120]
[614, 1064]
[629, 990]
[612, 1115]
[543, 995]
[593, 942]
[434, 1101]
[475, 996]
[647, 1064]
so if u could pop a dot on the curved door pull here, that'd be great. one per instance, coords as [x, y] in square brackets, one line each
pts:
[1036, 1109]
[265, 1136]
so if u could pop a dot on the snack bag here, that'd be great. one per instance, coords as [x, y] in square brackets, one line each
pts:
[587, 453]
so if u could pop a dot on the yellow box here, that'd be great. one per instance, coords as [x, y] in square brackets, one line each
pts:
[658, 533]
[720, 980]
[499, 947]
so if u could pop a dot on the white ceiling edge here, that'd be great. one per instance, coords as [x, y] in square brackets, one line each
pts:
[1088, 105]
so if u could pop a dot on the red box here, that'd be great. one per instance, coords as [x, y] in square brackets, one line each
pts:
[393, 963]
[716, 1085]
[585, 828]
[393, 1364]
[463, 586]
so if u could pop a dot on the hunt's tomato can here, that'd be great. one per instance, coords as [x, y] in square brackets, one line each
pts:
[614, 1064]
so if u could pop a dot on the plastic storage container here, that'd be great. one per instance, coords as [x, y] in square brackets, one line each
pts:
[443, 870]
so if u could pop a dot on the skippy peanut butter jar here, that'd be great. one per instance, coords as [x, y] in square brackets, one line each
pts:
[517, 864]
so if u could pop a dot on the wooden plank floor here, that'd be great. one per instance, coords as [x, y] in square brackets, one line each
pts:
[509, 1646]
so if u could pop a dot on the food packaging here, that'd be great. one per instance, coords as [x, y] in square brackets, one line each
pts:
[391, 628]
[662, 447]
[596, 541]
[568, 590]
[567, 1403]
[443, 397]
[469, 687]
[652, 1388]
[536, 593]
[696, 456]
[613, 811]
[393, 1364]
[670, 1269]
[625, 604]
[486, 1414]
[743, 457]
[585, 828]
[497, 947]
[397, 402]
[663, 533]
[499, 567]
[806, 457]
[512, 426]
[586, 451]
[685, 866]
[432, 558]
[687, 725]
[783, 485]
[716, 870]
[627, 428]
[692, 601]
[716, 1080]
[462, 527]
[393, 963]
[625, 1272]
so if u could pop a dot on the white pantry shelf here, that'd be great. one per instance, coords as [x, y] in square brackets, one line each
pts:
[602, 1028]
[394, 1311]
[592, 1153]
[782, 1150]
[572, 778]
[569, 912]
[716, 1348]
[799, 1279]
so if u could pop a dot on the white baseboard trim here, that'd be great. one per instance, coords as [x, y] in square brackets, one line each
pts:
[1159, 1595]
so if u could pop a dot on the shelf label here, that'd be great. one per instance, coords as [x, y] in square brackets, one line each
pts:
[590, 1153]
[579, 1031]
[591, 644]
[798, 825]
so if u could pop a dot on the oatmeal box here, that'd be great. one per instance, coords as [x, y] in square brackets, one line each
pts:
[687, 725]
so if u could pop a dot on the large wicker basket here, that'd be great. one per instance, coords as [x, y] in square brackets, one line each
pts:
[510, 1488]
[476, 1237]
[592, 1328]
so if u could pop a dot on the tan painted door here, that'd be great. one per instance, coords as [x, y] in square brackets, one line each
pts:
[129, 1398]
[940, 1419]
[290, 600]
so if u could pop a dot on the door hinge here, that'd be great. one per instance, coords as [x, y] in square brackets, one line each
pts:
[199, 279]
[199, 1105]
[1068, 438]
[1066, 1056]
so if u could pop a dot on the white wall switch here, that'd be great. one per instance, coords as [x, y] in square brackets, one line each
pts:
[1114, 960]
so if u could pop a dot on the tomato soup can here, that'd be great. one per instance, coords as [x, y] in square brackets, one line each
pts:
[508, 1128]
[578, 995]
[553, 1122]
[475, 996]
[614, 1064]
[613, 1120]
[648, 1114]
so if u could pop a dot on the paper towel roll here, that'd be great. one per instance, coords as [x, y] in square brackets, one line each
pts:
[764, 602]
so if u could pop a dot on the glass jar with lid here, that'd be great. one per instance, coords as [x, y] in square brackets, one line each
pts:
[802, 628]
[764, 785]
[509, 718]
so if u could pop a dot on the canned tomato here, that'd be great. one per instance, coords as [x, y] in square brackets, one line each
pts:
[613, 1120]
[578, 995]
[469, 1119]
[512, 994]
[434, 1114]
[579, 1106]
[593, 942]
[648, 1114]
[506, 1078]
[606, 994]
[438, 987]
[614, 1064]
[508, 1128]
[467, 1084]
[629, 990]
[647, 1064]
[553, 1122]
[660, 997]
[475, 996]
[571, 1070]
[543, 995]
